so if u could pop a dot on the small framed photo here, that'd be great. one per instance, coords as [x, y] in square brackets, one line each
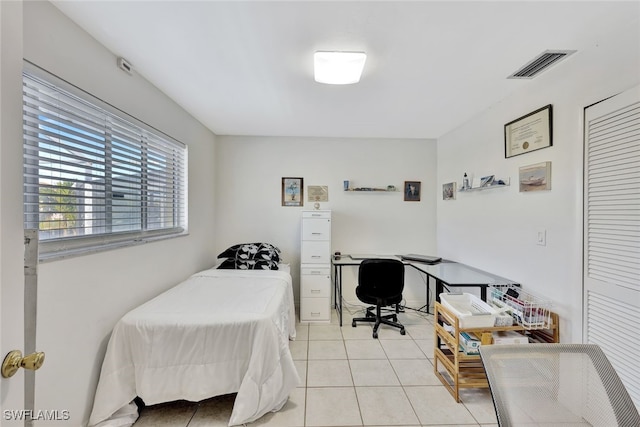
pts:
[412, 191]
[536, 177]
[529, 133]
[292, 191]
[449, 191]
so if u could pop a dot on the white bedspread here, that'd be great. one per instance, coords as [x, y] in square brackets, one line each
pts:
[218, 332]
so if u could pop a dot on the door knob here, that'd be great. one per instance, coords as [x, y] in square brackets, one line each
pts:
[14, 361]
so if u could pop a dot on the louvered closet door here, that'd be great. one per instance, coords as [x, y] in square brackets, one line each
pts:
[612, 233]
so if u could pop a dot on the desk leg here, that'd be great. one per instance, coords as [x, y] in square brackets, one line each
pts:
[337, 290]
[428, 297]
[439, 289]
[427, 286]
[335, 286]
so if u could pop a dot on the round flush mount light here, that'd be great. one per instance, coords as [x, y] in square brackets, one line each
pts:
[338, 68]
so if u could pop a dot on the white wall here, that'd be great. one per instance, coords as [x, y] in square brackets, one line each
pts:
[248, 196]
[496, 229]
[80, 299]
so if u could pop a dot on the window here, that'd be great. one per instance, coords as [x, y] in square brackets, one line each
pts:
[94, 176]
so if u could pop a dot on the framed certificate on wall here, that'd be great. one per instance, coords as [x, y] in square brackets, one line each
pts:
[528, 133]
[318, 193]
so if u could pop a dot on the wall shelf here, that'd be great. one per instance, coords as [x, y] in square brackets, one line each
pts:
[370, 190]
[506, 183]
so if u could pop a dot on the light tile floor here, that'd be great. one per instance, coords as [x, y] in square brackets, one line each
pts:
[351, 379]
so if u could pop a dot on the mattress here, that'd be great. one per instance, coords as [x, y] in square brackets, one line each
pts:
[218, 332]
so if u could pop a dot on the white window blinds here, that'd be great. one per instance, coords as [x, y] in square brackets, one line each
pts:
[93, 175]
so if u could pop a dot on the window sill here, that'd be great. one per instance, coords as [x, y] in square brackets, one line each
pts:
[57, 255]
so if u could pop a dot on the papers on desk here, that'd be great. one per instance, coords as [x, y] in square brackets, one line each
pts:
[372, 256]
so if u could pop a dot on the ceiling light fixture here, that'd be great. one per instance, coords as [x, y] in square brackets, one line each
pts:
[338, 68]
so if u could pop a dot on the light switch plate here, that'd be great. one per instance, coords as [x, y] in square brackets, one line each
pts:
[541, 237]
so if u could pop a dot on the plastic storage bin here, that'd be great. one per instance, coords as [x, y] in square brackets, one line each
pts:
[470, 310]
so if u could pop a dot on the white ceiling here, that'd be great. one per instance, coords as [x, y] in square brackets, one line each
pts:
[246, 67]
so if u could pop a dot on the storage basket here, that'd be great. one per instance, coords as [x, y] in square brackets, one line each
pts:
[470, 310]
[504, 319]
[528, 310]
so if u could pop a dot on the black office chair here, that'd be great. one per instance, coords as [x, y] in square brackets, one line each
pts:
[380, 282]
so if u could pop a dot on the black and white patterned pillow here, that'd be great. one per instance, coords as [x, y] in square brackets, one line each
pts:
[232, 264]
[251, 256]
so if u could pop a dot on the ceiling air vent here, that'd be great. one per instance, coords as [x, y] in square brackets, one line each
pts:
[543, 61]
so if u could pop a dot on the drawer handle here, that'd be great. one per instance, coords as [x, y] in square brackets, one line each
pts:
[315, 272]
[316, 256]
[315, 291]
[316, 313]
[317, 234]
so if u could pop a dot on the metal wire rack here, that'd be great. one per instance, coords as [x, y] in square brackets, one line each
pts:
[528, 310]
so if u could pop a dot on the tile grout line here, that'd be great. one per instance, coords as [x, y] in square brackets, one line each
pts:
[346, 353]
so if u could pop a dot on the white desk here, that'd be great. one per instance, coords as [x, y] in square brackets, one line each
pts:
[454, 274]
[445, 273]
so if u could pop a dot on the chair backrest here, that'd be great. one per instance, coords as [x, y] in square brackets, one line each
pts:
[580, 386]
[381, 278]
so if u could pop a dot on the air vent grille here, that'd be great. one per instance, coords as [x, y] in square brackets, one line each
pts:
[540, 63]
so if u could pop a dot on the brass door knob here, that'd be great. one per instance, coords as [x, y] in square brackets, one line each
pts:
[14, 361]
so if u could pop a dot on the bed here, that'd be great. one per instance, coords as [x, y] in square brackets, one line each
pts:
[220, 331]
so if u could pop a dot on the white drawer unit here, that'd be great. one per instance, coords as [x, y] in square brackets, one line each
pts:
[314, 284]
[315, 267]
[315, 310]
[316, 230]
[315, 252]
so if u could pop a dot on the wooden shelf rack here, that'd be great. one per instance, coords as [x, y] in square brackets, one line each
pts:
[457, 370]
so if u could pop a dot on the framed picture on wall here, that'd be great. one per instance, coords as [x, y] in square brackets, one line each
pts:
[449, 191]
[529, 133]
[535, 177]
[318, 193]
[412, 191]
[292, 191]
